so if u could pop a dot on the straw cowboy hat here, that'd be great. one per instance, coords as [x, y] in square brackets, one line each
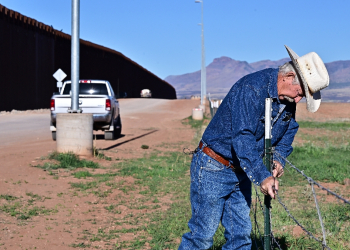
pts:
[313, 75]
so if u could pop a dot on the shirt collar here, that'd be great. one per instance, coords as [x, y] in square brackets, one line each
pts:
[272, 88]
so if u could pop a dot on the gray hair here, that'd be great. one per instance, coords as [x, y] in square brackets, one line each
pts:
[289, 67]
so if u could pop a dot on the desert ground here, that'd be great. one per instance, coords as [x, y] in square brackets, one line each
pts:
[25, 141]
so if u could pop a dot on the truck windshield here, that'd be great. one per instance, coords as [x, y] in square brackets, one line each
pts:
[88, 89]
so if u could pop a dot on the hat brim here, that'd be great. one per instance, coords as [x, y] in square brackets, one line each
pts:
[313, 101]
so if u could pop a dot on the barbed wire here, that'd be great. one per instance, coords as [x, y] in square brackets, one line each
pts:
[310, 179]
[274, 239]
[257, 198]
[311, 182]
[318, 212]
[297, 222]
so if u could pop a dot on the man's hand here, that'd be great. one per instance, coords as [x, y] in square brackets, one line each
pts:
[269, 186]
[278, 170]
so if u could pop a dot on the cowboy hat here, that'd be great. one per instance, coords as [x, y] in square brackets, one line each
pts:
[313, 75]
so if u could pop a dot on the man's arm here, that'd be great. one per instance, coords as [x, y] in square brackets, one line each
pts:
[284, 147]
[246, 110]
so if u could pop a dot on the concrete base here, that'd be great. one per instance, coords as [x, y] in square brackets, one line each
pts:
[74, 133]
[197, 114]
[202, 106]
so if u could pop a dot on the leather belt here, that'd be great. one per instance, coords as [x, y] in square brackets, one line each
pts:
[208, 151]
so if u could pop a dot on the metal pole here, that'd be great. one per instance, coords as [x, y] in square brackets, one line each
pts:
[268, 162]
[75, 56]
[203, 71]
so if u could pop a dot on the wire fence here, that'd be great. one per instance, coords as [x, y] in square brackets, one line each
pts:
[312, 182]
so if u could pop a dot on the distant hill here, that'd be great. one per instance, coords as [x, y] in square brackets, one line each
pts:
[223, 72]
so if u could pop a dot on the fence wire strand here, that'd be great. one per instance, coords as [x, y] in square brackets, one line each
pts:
[257, 198]
[318, 212]
[312, 183]
[310, 179]
[297, 222]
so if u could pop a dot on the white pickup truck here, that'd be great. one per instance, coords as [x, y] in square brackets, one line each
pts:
[96, 97]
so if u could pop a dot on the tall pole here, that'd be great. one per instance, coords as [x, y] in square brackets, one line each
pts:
[75, 56]
[203, 69]
[268, 162]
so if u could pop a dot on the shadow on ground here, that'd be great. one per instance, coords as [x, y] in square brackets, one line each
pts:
[132, 139]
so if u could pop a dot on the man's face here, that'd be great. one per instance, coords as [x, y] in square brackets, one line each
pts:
[289, 89]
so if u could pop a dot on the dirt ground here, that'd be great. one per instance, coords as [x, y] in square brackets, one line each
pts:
[328, 111]
[159, 129]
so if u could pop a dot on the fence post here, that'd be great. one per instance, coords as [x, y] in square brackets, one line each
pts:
[268, 162]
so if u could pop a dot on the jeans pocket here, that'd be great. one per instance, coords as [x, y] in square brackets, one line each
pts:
[213, 165]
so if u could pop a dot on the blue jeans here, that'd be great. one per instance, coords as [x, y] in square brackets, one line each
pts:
[217, 194]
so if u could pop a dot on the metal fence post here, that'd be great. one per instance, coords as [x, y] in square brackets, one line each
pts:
[75, 55]
[268, 162]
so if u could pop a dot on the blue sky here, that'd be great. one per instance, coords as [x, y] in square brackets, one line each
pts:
[164, 36]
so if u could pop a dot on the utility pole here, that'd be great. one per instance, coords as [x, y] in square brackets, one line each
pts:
[75, 56]
[74, 130]
[203, 69]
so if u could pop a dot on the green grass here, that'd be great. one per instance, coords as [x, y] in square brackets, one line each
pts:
[82, 174]
[156, 170]
[334, 126]
[98, 154]
[162, 176]
[67, 161]
[327, 164]
[195, 123]
[21, 212]
[323, 134]
[8, 197]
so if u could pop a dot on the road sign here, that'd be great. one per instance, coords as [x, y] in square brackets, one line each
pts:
[59, 75]
[59, 84]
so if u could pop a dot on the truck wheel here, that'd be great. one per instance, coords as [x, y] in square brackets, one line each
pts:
[117, 127]
[109, 135]
[54, 135]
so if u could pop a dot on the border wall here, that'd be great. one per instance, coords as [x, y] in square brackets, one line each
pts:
[31, 52]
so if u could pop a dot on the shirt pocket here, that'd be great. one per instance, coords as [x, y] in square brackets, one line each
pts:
[287, 117]
[281, 126]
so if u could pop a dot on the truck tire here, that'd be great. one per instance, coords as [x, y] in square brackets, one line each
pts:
[117, 127]
[54, 135]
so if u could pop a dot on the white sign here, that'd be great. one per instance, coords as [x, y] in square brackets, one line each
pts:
[59, 84]
[59, 75]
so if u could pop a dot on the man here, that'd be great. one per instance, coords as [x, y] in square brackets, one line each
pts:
[229, 156]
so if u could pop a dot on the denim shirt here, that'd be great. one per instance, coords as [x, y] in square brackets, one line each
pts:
[237, 130]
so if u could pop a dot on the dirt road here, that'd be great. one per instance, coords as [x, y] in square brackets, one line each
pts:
[26, 136]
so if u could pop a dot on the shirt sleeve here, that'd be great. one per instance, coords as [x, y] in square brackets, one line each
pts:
[284, 147]
[246, 110]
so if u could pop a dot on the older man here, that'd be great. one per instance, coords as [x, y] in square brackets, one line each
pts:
[229, 156]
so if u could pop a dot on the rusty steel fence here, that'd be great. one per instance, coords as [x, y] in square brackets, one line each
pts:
[30, 52]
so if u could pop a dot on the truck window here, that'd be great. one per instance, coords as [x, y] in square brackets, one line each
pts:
[88, 89]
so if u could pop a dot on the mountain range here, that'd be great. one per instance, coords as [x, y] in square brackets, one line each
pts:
[223, 72]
